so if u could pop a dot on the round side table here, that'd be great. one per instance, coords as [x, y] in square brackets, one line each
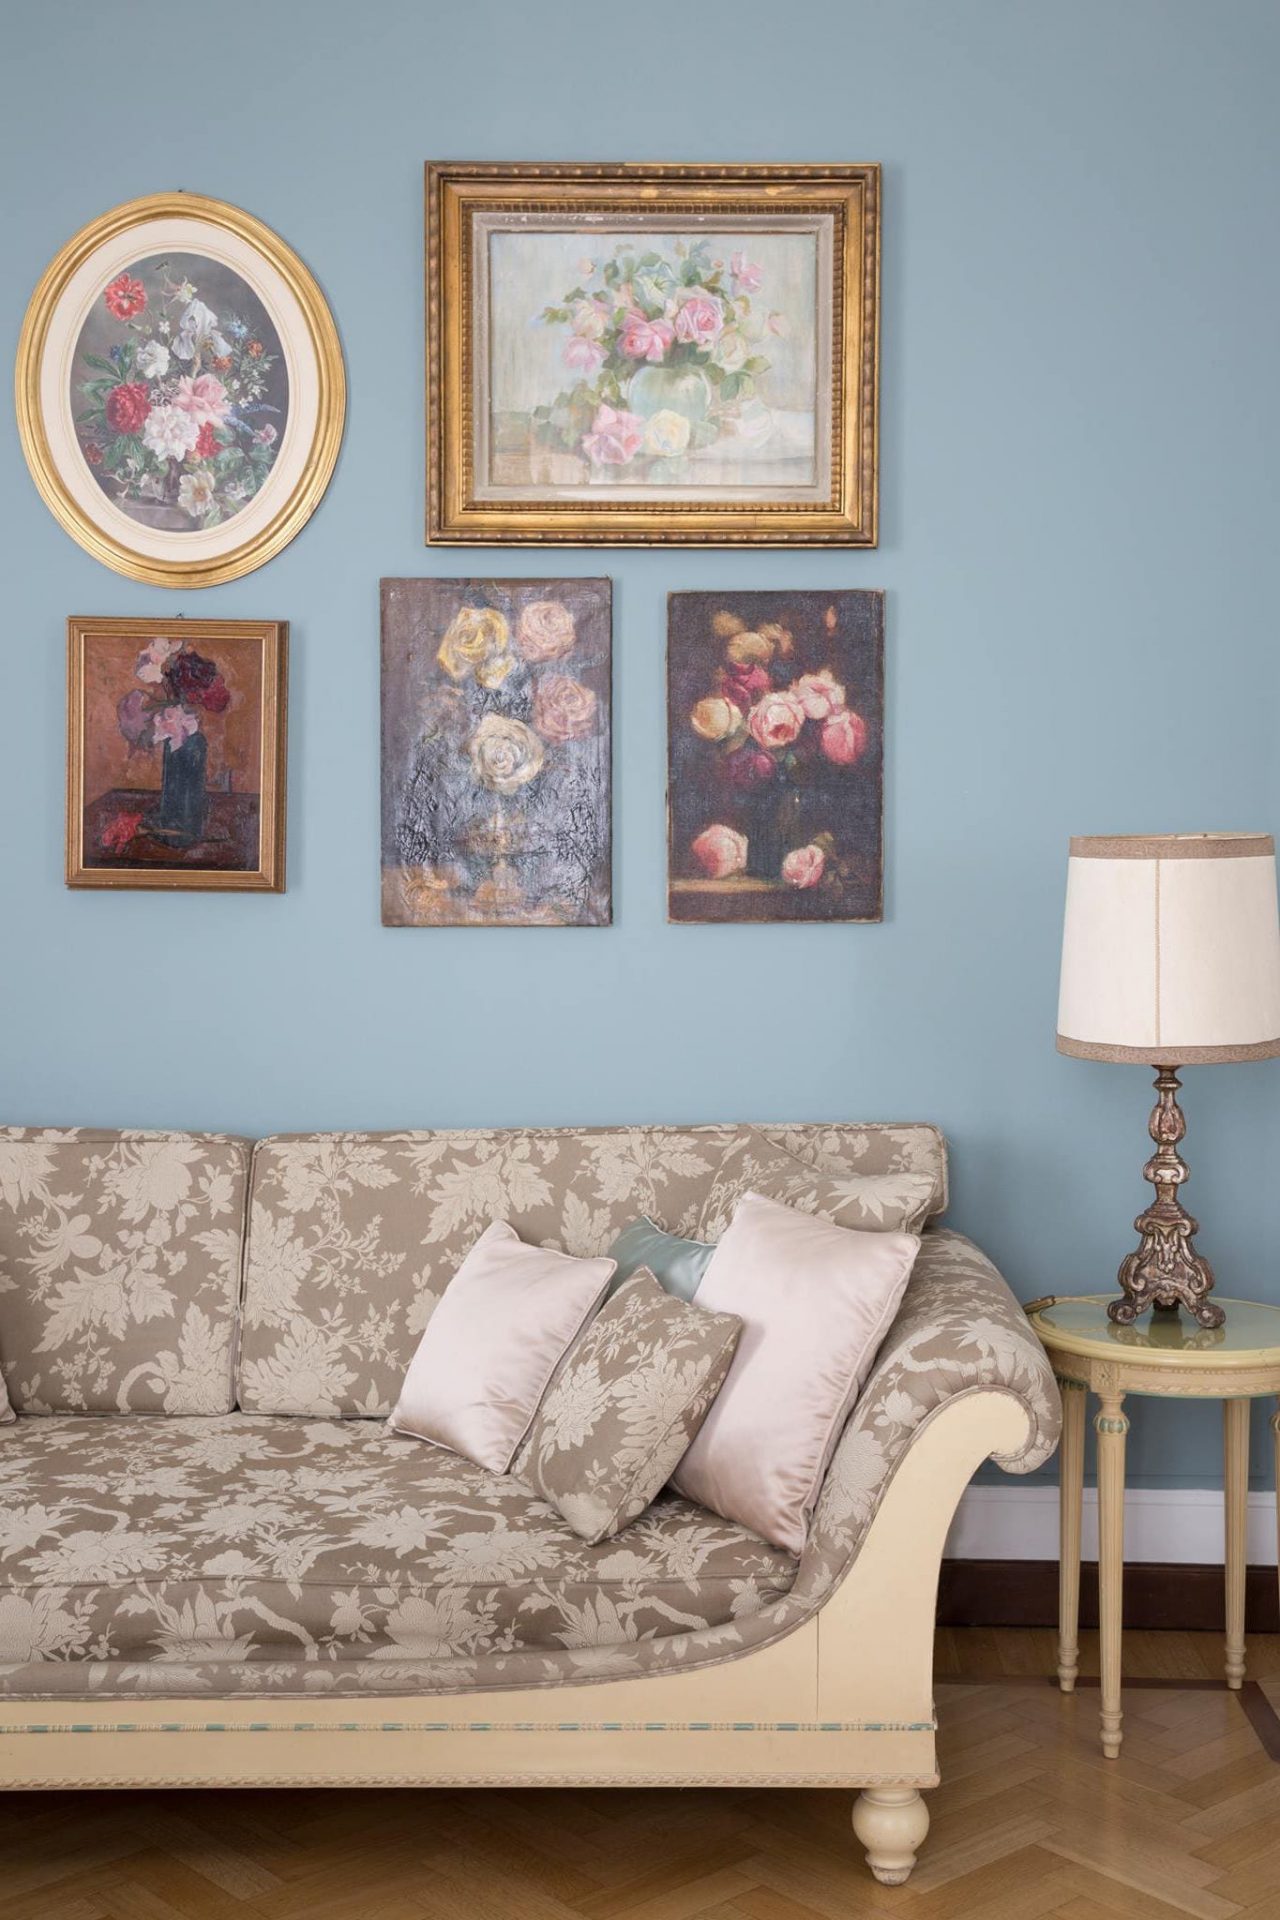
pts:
[1169, 1357]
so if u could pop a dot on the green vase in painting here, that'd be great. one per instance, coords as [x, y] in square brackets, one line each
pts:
[682, 390]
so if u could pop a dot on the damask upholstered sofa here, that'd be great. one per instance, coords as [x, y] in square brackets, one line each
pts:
[218, 1566]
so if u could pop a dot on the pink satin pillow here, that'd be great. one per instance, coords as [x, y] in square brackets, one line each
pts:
[815, 1301]
[504, 1323]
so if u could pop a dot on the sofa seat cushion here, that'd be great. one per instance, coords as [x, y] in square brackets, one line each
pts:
[135, 1553]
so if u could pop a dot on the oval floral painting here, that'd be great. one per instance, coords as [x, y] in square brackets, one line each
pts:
[180, 392]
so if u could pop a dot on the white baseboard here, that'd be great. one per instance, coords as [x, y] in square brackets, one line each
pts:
[1160, 1523]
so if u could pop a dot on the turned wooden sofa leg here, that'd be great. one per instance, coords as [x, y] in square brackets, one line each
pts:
[891, 1823]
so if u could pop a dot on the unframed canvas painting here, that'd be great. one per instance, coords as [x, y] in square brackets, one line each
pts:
[496, 753]
[775, 756]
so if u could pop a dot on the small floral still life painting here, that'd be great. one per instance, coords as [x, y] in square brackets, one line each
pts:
[496, 753]
[180, 392]
[775, 756]
[176, 754]
[640, 360]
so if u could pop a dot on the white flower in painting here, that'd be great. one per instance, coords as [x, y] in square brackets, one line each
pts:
[196, 494]
[153, 360]
[153, 659]
[198, 333]
[169, 433]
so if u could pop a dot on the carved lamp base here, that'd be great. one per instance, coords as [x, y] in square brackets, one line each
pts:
[1166, 1270]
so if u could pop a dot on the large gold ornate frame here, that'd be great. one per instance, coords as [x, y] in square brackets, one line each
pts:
[457, 194]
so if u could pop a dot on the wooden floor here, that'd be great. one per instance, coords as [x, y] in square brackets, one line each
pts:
[1030, 1822]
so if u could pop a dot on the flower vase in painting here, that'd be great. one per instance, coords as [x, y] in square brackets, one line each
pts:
[495, 753]
[776, 725]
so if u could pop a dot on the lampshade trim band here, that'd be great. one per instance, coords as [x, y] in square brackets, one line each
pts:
[1159, 1055]
[1172, 846]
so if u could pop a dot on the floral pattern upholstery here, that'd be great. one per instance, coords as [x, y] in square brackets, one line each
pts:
[249, 1556]
[621, 1413]
[142, 1551]
[884, 1201]
[119, 1270]
[353, 1237]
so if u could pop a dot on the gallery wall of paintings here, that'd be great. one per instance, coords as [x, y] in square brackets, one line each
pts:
[616, 356]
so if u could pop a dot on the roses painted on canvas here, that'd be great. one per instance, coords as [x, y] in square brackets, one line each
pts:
[775, 758]
[496, 753]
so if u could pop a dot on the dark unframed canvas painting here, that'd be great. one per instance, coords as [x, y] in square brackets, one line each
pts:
[775, 717]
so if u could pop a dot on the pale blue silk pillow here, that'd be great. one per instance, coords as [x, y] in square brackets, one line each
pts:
[677, 1265]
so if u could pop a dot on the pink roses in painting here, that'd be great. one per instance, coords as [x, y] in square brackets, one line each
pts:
[495, 764]
[181, 392]
[775, 762]
[667, 346]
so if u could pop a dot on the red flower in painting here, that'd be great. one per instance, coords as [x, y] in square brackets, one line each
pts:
[217, 698]
[207, 443]
[125, 297]
[127, 407]
[254, 349]
[92, 453]
[119, 831]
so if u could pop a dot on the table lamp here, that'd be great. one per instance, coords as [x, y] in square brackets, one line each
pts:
[1170, 957]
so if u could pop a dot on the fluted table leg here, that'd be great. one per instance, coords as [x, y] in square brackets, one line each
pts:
[1235, 1432]
[1111, 1426]
[1071, 1472]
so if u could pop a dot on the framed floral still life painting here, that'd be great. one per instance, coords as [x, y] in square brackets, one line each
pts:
[496, 753]
[630, 354]
[775, 715]
[176, 754]
[180, 390]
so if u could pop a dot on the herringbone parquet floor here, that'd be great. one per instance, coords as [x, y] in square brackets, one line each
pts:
[1030, 1823]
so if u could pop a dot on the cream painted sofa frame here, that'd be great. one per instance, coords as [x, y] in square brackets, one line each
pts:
[846, 1700]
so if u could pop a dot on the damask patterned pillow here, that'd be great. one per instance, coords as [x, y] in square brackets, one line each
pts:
[864, 1202]
[119, 1270]
[623, 1409]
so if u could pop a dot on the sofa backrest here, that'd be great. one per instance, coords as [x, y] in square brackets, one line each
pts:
[120, 1258]
[353, 1237]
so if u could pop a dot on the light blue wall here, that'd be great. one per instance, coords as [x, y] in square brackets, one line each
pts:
[1081, 410]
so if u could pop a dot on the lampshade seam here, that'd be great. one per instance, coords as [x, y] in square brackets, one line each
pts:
[1159, 1036]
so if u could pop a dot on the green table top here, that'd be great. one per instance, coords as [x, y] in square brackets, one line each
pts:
[1078, 1323]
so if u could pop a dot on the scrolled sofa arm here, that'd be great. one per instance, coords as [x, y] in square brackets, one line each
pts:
[959, 1328]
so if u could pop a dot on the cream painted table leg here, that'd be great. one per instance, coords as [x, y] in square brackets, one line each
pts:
[1275, 1429]
[1235, 1435]
[1111, 1426]
[1071, 1488]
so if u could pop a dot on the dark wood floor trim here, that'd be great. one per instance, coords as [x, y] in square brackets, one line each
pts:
[1024, 1593]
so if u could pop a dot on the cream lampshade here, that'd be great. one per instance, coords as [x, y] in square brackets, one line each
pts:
[1170, 955]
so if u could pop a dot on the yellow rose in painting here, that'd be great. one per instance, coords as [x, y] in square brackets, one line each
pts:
[750, 650]
[505, 754]
[724, 625]
[667, 434]
[478, 641]
[715, 718]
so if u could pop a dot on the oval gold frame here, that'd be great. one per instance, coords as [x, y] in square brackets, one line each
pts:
[330, 406]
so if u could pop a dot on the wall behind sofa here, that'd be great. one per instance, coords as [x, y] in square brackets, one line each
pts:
[1081, 407]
